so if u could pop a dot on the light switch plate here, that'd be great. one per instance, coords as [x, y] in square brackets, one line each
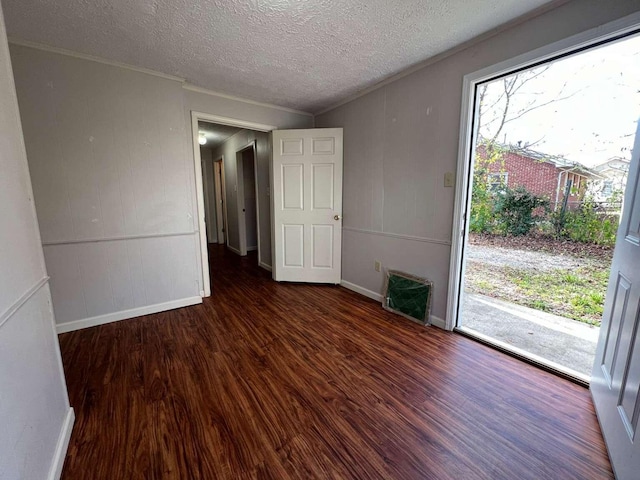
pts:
[449, 179]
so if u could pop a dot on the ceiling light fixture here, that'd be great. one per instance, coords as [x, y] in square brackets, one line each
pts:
[202, 140]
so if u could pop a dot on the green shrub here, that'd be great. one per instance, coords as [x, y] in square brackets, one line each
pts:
[587, 225]
[481, 218]
[517, 210]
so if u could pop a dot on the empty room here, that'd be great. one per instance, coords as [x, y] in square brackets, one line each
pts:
[234, 240]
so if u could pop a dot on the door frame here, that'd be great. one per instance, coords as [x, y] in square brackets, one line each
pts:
[599, 36]
[197, 165]
[219, 193]
[242, 225]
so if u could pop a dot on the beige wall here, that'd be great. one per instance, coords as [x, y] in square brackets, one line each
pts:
[401, 139]
[34, 409]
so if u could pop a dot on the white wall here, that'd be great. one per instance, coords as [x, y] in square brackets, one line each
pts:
[35, 417]
[111, 155]
[112, 184]
[400, 139]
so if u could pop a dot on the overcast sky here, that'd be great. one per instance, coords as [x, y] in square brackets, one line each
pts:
[598, 119]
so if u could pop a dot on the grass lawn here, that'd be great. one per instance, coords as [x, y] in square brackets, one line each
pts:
[577, 293]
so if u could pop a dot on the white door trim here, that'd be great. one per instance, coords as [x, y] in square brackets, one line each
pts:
[242, 225]
[572, 45]
[221, 205]
[197, 163]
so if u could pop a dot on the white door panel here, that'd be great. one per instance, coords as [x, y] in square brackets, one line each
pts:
[293, 187]
[322, 176]
[307, 205]
[615, 384]
[322, 246]
[293, 245]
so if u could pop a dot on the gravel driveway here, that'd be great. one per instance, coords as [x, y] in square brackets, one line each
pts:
[523, 259]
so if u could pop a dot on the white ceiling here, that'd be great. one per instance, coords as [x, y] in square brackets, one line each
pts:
[216, 134]
[306, 55]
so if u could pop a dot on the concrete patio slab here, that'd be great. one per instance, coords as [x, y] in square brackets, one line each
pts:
[558, 339]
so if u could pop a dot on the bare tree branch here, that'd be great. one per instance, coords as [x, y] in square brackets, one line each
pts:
[535, 107]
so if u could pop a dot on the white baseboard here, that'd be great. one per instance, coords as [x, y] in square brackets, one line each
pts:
[126, 314]
[252, 249]
[234, 250]
[61, 447]
[438, 322]
[265, 266]
[435, 321]
[361, 290]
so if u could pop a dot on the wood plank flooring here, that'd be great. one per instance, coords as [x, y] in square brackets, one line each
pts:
[281, 381]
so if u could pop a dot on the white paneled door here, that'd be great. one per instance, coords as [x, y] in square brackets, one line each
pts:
[615, 384]
[307, 205]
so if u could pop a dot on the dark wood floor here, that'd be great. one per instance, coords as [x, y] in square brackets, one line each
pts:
[281, 381]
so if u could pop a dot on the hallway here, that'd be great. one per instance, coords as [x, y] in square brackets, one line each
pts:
[291, 381]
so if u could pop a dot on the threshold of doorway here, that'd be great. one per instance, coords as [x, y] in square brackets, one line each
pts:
[523, 355]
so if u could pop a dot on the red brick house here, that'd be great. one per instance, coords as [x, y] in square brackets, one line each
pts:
[544, 175]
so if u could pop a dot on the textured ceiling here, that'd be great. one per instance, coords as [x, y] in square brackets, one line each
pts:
[216, 134]
[306, 55]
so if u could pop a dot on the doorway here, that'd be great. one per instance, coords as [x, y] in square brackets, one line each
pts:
[248, 206]
[219, 189]
[216, 178]
[536, 212]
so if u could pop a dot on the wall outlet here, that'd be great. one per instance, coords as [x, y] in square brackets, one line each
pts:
[449, 179]
[377, 265]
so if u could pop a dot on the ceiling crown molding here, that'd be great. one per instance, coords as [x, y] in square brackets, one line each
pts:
[206, 91]
[91, 58]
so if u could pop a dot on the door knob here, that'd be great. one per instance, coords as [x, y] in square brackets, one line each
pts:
[337, 217]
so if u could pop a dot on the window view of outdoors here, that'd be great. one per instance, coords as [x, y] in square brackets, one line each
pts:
[552, 153]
